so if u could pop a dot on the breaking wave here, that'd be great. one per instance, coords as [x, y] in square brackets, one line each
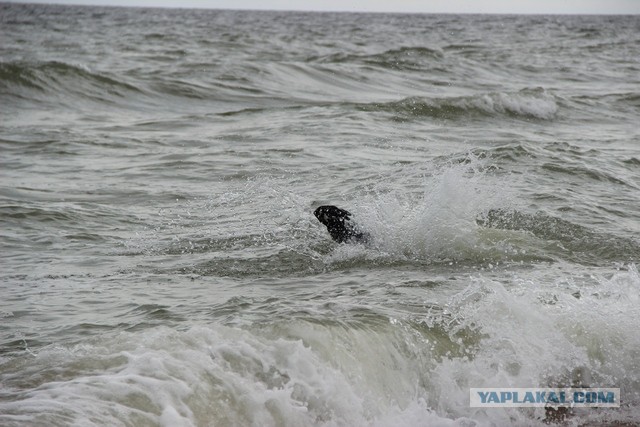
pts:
[526, 104]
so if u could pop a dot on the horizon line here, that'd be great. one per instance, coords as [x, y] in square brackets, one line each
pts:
[251, 9]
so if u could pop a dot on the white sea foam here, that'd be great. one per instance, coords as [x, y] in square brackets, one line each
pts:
[539, 105]
[569, 336]
[204, 376]
[299, 373]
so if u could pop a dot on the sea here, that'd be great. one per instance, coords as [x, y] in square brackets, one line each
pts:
[161, 264]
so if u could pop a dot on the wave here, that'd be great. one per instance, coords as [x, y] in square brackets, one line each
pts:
[456, 220]
[469, 215]
[35, 80]
[566, 239]
[60, 83]
[314, 364]
[586, 172]
[404, 58]
[21, 213]
[561, 350]
[65, 84]
[526, 104]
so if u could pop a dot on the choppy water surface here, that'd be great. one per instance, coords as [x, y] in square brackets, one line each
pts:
[161, 264]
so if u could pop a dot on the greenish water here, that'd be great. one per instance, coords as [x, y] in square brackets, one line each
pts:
[162, 265]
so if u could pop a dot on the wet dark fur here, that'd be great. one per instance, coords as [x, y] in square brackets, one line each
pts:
[339, 225]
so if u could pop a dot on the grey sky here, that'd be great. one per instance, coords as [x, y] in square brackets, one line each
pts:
[427, 6]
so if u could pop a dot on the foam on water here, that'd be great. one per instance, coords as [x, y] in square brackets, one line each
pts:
[534, 104]
[318, 373]
[567, 337]
[205, 375]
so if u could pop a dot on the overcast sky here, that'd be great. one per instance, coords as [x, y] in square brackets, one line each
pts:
[426, 6]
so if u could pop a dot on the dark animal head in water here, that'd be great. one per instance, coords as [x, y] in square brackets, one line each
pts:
[339, 225]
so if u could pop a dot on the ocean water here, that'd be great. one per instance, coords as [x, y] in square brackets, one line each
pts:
[161, 264]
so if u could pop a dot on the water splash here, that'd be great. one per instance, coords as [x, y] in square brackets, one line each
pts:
[438, 220]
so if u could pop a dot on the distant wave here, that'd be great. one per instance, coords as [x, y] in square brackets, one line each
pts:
[576, 242]
[37, 75]
[528, 104]
[29, 80]
[405, 58]
[60, 83]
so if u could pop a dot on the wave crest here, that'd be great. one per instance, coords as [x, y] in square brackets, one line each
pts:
[403, 58]
[29, 80]
[525, 104]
